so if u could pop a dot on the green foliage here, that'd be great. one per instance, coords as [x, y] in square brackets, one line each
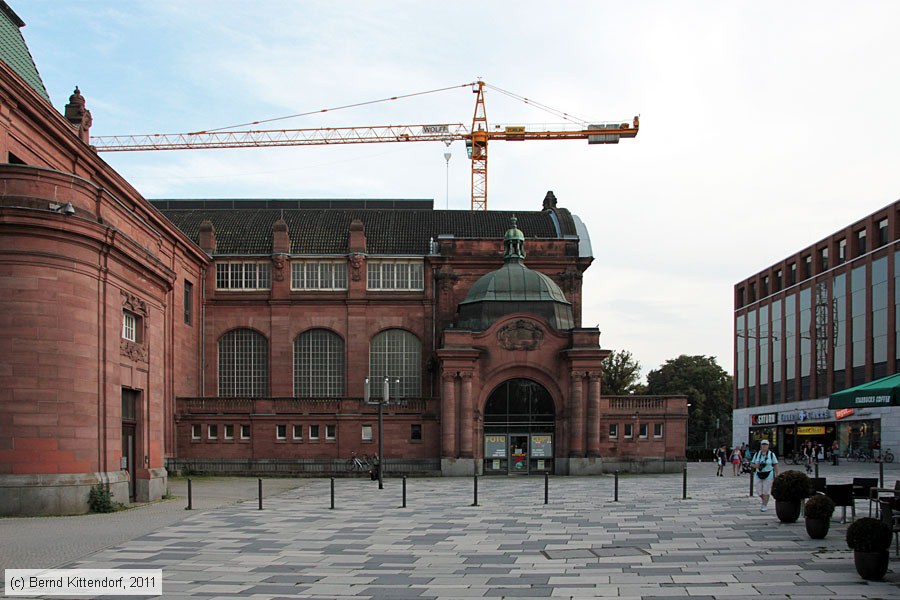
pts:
[819, 506]
[709, 391]
[791, 486]
[868, 535]
[621, 374]
[100, 500]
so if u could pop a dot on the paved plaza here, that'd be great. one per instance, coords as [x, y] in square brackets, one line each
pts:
[581, 544]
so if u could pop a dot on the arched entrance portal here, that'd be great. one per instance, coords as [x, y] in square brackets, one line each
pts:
[518, 429]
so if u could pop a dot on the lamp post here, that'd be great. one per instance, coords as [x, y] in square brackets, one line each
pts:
[687, 425]
[385, 399]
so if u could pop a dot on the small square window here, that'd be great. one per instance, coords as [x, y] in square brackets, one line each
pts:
[823, 259]
[415, 432]
[313, 432]
[642, 430]
[212, 432]
[281, 432]
[367, 433]
[629, 430]
[842, 250]
[882, 232]
[228, 432]
[657, 430]
[196, 432]
[861, 242]
[245, 432]
[613, 430]
[330, 432]
[129, 326]
[298, 432]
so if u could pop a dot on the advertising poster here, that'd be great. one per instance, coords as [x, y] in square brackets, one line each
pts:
[495, 446]
[541, 446]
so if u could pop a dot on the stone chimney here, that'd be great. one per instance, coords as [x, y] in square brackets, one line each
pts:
[549, 201]
[207, 237]
[357, 236]
[281, 239]
[79, 116]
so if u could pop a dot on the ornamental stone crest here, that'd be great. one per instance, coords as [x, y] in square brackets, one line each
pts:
[521, 335]
[132, 303]
[136, 352]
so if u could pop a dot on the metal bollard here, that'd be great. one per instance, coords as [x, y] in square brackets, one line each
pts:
[752, 475]
[616, 491]
[260, 493]
[475, 503]
[332, 493]
[190, 497]
[684, 484]
[404, 491]
[546, 488]
[817, 470]
[881, 474]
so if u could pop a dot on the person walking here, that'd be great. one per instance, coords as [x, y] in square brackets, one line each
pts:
[835, 451]
[736, 456]
[765, 464]
[721, 457]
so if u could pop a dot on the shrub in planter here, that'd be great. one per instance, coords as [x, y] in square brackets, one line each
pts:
[870, 539]
[819, 509]
[789, 489]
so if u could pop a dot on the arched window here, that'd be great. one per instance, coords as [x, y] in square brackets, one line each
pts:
[243, 364]
[519, 406]
[318, 364]
[396, 354]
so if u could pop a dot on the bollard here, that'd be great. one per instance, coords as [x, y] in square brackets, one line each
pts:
[404, 491]
[752, 475]
[260, 493]
[616, 491]
[475, 503]
[332, 493]
[817, 470]
[684, 484]
[190, 498]
[881, 474]
[546, 488]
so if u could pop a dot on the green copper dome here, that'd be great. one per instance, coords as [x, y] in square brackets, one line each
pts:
[514, 288]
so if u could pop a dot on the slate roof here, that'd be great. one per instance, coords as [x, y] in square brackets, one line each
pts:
[14, 51]
[397, 231]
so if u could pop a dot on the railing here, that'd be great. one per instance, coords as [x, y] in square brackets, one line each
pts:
[311, 467]
[636, 402]
[214, 405]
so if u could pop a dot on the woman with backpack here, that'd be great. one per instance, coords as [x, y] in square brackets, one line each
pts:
[765, 464]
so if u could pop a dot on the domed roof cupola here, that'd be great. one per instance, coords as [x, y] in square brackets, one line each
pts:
[514, 288]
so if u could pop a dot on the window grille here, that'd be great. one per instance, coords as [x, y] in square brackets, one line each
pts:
[395, 354]
[395, 275]
[318, 364]
[247, 276]
[318, 275]
[243, 364]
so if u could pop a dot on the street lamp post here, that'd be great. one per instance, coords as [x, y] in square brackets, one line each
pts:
[687, 425]
[385, 399]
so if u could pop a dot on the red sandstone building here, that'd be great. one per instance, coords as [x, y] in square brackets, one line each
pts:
[240, 336]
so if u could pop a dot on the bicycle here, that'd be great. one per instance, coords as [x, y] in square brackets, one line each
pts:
[355, 463]
[886, 456]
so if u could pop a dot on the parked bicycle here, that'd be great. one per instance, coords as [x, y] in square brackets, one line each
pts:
[886, 456]
[356, 463]
[858, 455]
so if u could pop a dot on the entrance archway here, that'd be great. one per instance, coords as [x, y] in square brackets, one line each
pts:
[519, 423]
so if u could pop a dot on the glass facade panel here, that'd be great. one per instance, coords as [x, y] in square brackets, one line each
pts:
[790, 345]
[243, 364]
[897, 310]
[752, 370]
[318, 364]
[777, 341]
[395, 354]
[839, 331]
[858, 322]
[879, 313]
[806, 332]
[740, 338]
[763, 338]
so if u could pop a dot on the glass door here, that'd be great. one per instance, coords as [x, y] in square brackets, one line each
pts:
[518, 454]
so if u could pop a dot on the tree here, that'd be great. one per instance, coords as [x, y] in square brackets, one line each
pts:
[621, 374]
[708, 389]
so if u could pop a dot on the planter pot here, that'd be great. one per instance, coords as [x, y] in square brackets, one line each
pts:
[787, 511]
[871, 565]
[817, 528]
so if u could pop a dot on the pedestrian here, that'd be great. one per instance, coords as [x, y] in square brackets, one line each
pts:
[835, 449]
[721, 457]
[736, 456]
[376, 468]
[765, 463]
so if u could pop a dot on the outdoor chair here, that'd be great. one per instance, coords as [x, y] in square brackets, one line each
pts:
[842, 495]
[862, 487]
[817, 484]
[890, 515]
[877, 494]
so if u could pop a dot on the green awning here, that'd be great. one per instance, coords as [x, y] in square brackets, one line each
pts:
[881, 392]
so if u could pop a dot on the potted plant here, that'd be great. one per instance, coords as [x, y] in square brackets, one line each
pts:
[870, 539]
[818, 512]
[789, 489]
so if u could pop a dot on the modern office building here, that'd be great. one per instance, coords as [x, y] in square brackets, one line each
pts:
[263, 336]
[820, 321]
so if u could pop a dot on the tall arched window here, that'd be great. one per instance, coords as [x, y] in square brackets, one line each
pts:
[318, 364]
[243, 363]
[396, 354]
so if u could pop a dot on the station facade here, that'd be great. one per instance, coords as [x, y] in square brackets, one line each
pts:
[261, 336]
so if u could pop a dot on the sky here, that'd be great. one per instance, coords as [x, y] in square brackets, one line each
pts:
[764, 126]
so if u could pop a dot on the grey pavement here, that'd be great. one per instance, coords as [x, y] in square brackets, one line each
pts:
[581, 544]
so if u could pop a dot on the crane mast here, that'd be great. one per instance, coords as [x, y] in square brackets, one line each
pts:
[475, 137]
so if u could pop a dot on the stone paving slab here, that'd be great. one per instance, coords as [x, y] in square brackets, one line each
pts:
[582, 544]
